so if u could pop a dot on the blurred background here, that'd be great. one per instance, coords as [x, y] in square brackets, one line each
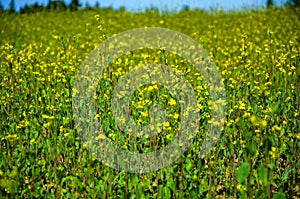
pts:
[139, 6]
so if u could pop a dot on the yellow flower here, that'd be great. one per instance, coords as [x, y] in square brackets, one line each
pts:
[272, 153]
[242, 105]
[246, 114]
[101, 136]
[172, 102]
[276, 127]
[239, 186]
[167, 126]
[45, 116]
[46, 125]
[254, 120]
[199, 106]
[263, 123]
[144, 113]
[273, 149]
[169, 136]
[150, 88]
[176, 116]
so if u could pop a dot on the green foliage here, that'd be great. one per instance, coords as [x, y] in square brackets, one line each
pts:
[56, 5]
[279, 195]
[270, 3]
[31, 9]
[12, 6]
[243, 172]
[294, 3]
[263, 174]
[74, 5]
[1, 7]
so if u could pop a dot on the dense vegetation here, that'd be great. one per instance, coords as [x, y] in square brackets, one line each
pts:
[257, 155]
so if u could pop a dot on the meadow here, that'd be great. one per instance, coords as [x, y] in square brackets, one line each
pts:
[256, 156]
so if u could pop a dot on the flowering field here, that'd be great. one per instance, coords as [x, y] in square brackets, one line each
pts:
[256, 156]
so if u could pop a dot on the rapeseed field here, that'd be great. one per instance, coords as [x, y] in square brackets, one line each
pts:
[256, 156]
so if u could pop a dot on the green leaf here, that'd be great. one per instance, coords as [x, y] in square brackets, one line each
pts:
[188, 165]
[275, 108]
[170, 184]
[193, 194]
[262, 174]
[279, 195]
[71, 81]
[160, 191]
[139, 192]
[285, 176]
[243, 172]
[251, 149]
[66, 92]
[242, 195]
[167, 192]
[267, 144]
[135, 180]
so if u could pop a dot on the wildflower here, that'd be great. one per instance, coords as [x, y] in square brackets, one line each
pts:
[144, 113]
[47, 125]
[263, 123]
[272, 153]
[100, 136]
[176, 116]
[246, 115]
[172, 102]
[32, 141]
[150, 88]
[276, 127]
[169, 136]
[167, 126]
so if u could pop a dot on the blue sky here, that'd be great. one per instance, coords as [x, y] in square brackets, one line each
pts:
[139, 5]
